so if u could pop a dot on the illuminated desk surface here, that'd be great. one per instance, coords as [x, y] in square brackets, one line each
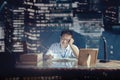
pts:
[67, 69]
[69, 64]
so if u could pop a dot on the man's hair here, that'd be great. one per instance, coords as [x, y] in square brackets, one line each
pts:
[69, 32]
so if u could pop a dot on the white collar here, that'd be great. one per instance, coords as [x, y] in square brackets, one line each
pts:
[67, 48]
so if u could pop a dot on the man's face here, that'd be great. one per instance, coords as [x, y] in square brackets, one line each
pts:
[64, 41]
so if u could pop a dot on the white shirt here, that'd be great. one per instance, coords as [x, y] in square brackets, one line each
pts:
[57, 52]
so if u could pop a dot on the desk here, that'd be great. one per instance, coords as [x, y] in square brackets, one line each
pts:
[69, 70]
[69, 64]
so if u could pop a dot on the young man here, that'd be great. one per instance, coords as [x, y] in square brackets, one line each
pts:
[64, 49]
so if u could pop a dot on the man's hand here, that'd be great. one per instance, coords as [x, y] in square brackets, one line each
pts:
[71, 41]
[48, 57]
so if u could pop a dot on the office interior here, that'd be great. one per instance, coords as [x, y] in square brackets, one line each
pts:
[31, 26]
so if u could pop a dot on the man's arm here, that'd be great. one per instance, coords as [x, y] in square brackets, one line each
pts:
[74, 48]
[46, 57]
[49, 54]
